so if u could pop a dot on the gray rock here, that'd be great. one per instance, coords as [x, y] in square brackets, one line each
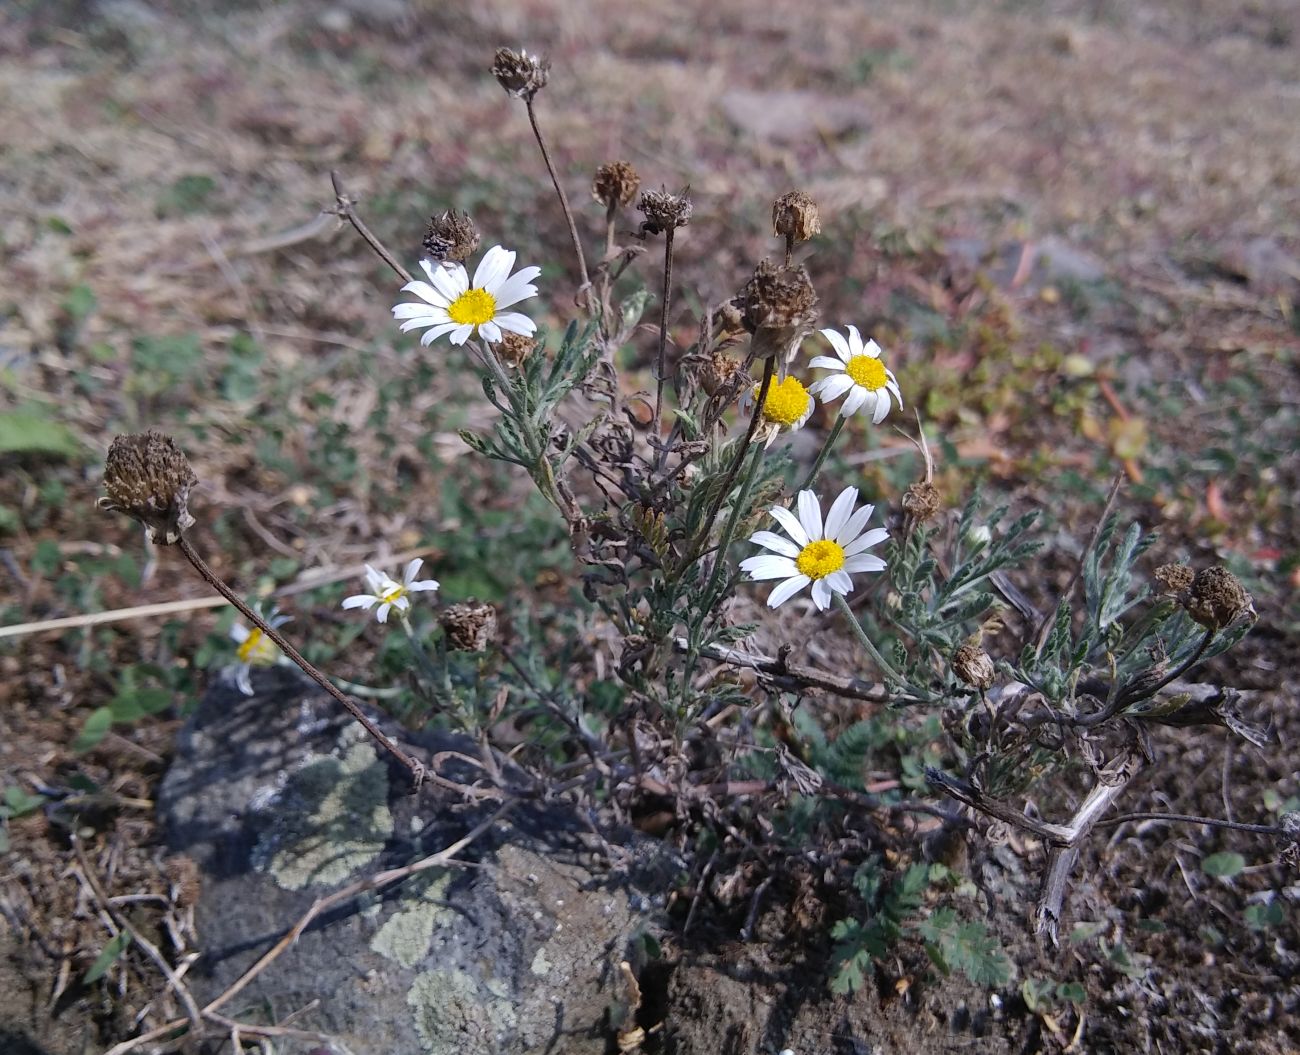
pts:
[280, 799]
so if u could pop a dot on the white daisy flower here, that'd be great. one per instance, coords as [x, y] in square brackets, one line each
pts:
[787, 407]
[255, 650]
[825, 555]
[450, 305]
[388, 593]
[860, 373]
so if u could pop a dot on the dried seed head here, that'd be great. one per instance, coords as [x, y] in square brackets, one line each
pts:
[148, 478]
[720, 373]
[520, 74]
[1216, 598]
[795, 217]
[470, 627]
[1174, 579]
[665, 211]
[514, 348]
[451, 236]
[921, 501]
[615, 183]
[973, 665]
[777, 297]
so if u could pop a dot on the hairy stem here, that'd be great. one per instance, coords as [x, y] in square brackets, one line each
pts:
[865, 641]
[836, 429]
[211, 578]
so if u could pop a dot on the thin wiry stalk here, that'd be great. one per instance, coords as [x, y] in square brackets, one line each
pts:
[862, 638]
[346, 207]
[821, 455]
[661, 361]
[564, 202]
[213, 580]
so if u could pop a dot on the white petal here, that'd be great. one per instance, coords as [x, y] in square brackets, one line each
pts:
[461, 334]
[787, 590]
[882, 408]
[402, 603]
[827, 363]
[864, 562]
[838, 343]
[872, 349]
[242, 680]
[821, 595]
[840, 511]
[374, 579]
[425, 292]
[810, 514]
[422, 585]
[517, 287]
[791, 524]
[771, 540]
[239, 633]
[516, 323]
[768, 566]
[412, 570]
[864, 542]
[831, 387]
[415, 311]
[438, 331]
[489, 331]
[451, 282]
[360, 600]
[382, 614]
[839, 581]
[854, 525]
[493, 268]
[854, 402]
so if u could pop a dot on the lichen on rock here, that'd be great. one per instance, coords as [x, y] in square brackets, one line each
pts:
[455, 1014]
[407, 936]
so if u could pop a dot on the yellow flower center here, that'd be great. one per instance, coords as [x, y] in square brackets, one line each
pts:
[818, 559]
[473, 308]
[257, 649]
[867, 371]
[787, 401]
[393, 594]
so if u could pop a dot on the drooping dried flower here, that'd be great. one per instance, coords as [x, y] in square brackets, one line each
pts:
[514, 349]
[921, 501]
[973, 665]
[451, 236]
[777, 296]
[795, 217]
[665, 211]
[615, 183]
[1216, 598]
[520, 74]
[470, 627]
[719, 373]
[148, 478]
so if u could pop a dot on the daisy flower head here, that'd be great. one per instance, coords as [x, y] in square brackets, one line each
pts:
[787, 406]
[823, 553]
[254, 649]
[388, 593]
[860, 373]
[450, 304]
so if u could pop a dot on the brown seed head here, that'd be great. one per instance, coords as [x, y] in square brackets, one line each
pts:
[921, 501]
[721, 373]
[615, 183]
[1174, 579]
[1216, 598]
[148, 478]
[520, 74]
[778, 306]
[665, 211]
[795, 216]
[451, 236]
[470, 627]
[514, 348]
[973, 665]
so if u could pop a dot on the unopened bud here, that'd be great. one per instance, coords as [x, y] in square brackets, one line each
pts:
[520, 74]
[470, 627]
[973, 665]
[451, 236]
[664, 211]
[615, 183]
[795, 217]
[1216, 598]
[148, 478]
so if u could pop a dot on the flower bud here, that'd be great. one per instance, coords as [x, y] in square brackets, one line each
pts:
[520, 74]
[148, 478]
[451, 236]
[795, 217]
[664, 211]
[973, 665]
[470, 627]
[1216, 598]
[615, 183]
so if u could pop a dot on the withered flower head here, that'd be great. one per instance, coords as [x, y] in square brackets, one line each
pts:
[520, 74]
[973, 665]
[1174, 579]
[615, 183]
[921, 501]
[1216, 598]
[514, 348]
[665, 211]
[451, 236]
[470, 627]
[777, 305]
[148, 478]
[795, 217]
[720, 373]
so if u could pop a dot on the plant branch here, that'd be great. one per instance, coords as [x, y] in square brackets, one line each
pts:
[346, 207]
[661, 361]
[788, 675]
[584, 291]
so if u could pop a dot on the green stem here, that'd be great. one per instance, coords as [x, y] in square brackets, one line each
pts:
[737, 511]
[865, 641]
[826, 449]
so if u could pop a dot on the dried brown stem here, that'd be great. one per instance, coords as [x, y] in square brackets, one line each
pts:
[584, 291]
[346, 207]
[661, 360]
[416, 768]
[789, 675]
